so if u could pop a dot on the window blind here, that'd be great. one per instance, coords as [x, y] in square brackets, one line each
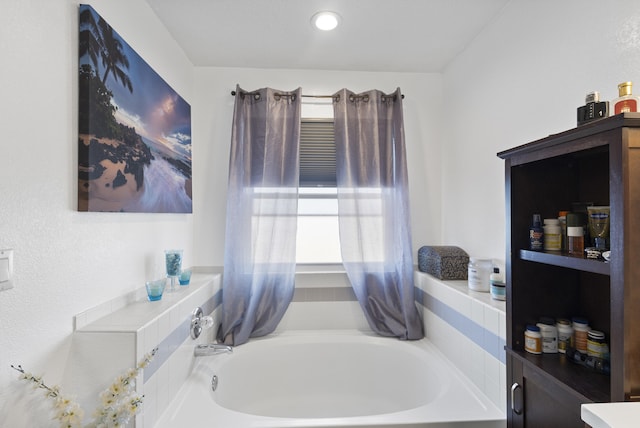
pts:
[317, 153]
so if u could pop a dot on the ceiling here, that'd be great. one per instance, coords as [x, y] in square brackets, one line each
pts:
[374, 35]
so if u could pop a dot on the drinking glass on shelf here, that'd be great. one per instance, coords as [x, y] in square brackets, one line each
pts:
[173, 261]
[185, 277]
[155, 289]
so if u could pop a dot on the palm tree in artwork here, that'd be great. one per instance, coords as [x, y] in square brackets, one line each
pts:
[90, 38]
[113, 57]
[99, 41]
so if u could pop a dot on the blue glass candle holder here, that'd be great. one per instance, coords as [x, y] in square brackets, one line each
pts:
[155, 289]
[185, 277]
[173, 262]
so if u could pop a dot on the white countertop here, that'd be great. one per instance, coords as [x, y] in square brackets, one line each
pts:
[611, 415]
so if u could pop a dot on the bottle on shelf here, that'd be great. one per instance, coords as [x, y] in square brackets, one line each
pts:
[575, 234]
[596, 344]
[565, 332]
[552, 234]
[626, 102]
[562, 217]
[498, 286]
[593, 108]
[536, 234]
[478, 274]
[533, 339]
[575, 241]
[549, 334]
[580, 334]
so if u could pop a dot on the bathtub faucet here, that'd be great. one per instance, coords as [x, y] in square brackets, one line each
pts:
[211, 349]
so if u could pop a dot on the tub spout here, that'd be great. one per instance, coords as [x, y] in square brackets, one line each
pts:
[211, 349]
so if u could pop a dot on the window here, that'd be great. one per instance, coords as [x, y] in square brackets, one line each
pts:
[318, 239]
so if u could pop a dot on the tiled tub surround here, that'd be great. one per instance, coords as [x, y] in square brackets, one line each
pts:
[114, 336]
[469, 328]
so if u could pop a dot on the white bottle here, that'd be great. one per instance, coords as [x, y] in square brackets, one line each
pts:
[533, 340]
[549, 334]
[565, 332]
[478, 274]
[498, 285]
[552, 234]
[580, 334]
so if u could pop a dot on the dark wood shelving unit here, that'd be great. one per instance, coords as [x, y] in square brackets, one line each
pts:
[597, 163]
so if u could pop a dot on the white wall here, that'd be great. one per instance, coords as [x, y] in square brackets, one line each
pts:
[65, 261]
[520, 80]
[213, 106]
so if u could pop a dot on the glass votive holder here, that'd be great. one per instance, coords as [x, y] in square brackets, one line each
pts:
[185, 277]
[155, 289]
[173, 261]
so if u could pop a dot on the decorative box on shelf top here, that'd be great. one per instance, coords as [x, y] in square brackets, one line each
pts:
[444, 262]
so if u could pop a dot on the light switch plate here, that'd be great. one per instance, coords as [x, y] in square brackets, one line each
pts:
[6, 269]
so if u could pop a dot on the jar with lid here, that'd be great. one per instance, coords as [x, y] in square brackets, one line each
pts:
[533, 340]
[575, 233]
[479, 273]
[565, 331]
[596, 344]
[549, 334]
[580, 334]
[552, 234]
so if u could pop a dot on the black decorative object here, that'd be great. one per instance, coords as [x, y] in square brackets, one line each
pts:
[444, 262]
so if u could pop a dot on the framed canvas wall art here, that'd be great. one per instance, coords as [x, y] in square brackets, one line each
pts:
[134, 130]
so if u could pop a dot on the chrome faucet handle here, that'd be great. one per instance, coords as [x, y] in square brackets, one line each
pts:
[211, 349]
[199, 322]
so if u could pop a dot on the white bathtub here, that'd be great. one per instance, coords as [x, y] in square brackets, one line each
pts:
[329, 378]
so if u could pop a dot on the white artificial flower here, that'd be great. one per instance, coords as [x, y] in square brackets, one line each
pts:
[118, 404]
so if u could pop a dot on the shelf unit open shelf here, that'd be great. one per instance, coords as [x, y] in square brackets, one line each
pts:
[559, 259]
[577, 380]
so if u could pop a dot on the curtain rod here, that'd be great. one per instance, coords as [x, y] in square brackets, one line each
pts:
[233, 93]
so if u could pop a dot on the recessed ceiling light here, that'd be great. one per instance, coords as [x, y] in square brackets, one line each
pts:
[325, 21]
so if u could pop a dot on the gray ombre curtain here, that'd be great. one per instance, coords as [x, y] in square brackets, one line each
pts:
[373, 209]
[262, 205]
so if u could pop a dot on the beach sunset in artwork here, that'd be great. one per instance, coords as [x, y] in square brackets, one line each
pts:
[134, 130]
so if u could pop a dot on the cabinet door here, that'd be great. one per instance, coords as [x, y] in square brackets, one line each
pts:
[537, 400]
[515, 393]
